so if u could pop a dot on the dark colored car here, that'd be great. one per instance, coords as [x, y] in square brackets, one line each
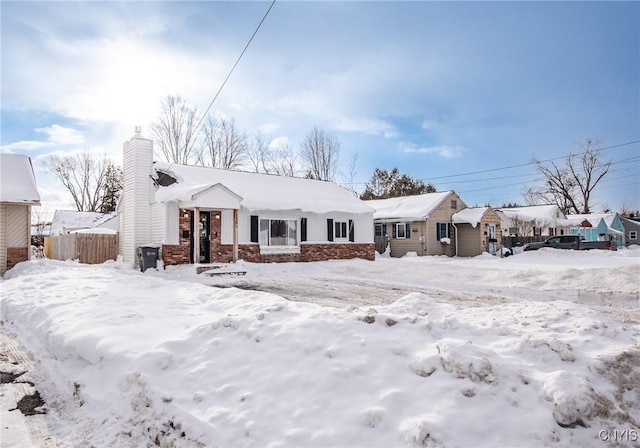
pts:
[571, 242]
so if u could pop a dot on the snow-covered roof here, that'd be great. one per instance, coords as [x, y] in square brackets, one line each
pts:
[408, 207]
[260, 191]
[17, 180]
[471, 216]
[68, 220]
[542, 215]
[593, 218]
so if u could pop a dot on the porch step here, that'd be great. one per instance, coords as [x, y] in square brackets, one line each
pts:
[214, 270]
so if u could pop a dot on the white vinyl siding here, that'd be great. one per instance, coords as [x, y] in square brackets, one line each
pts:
[159, 222]
[136, 201]
[17, 226]
[316, 224]
[226, 230]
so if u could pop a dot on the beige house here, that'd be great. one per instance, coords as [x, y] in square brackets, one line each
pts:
[476, 230]
[420, 224]
[18, 193]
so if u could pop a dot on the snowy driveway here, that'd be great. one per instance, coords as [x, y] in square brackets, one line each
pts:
[596, 278]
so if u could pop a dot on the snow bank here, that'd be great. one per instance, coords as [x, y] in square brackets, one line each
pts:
[132, 359]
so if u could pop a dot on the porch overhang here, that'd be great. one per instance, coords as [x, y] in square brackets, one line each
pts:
[215, 196]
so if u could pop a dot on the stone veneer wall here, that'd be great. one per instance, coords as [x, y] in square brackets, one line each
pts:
[179, 253]
[16, 255]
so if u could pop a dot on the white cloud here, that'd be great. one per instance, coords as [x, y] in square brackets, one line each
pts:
[25, 145]
[444, 151]
[268, 128]
[59, 135]
[279, 142]
[370, 126]
[56, 136]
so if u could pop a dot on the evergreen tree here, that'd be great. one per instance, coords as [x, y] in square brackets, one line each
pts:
[385, 184]
[112, 190]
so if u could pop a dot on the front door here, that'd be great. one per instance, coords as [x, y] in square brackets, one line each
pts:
[491, 239]
[205, 237]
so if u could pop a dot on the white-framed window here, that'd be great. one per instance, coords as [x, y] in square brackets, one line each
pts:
[442, 230]
[633, 235]
[401, 230]
[278, 232]
[340, 230]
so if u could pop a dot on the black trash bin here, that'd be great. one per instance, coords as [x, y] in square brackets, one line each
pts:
[148, 257]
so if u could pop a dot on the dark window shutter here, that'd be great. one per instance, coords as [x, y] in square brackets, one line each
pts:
[254, 228]
[438, 231]
[393, 229]
[384, 229]
[407, 231]
[303, 229]
[351, 231]
[329, 229]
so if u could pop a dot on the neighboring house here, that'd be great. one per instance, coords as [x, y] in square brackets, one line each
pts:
[18, 193]
[631, 230]
[533, 221]
[598, 227]
[420, 223]
[202, 215]
[68, 221]
[476, 230]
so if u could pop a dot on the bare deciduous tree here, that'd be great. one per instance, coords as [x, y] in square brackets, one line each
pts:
[175, 130]
[227, 146]
[258, 153]
[350, 178]
[570, 186]
[267, 156]
[40, 220]
[320, 153]
[283, 160]
[84, 177]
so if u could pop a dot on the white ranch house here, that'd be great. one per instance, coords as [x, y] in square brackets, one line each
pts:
[534, 221]
[204, 215]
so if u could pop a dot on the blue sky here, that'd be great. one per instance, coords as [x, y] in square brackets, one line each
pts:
[438, 89]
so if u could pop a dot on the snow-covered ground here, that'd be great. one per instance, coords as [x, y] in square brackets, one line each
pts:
[538, 349]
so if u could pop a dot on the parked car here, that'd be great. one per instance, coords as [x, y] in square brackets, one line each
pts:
[575, 242]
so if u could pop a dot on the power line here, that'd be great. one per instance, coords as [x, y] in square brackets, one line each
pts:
[234, 66]
[429, 179]
[529, 163]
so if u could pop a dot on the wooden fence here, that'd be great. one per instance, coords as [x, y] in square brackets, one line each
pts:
[90, 248]
[517, 241]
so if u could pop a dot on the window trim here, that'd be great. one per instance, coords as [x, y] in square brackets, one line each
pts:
[278, 246]
[338, 227]
[634, 233]
[403, 226]
[439, 233]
